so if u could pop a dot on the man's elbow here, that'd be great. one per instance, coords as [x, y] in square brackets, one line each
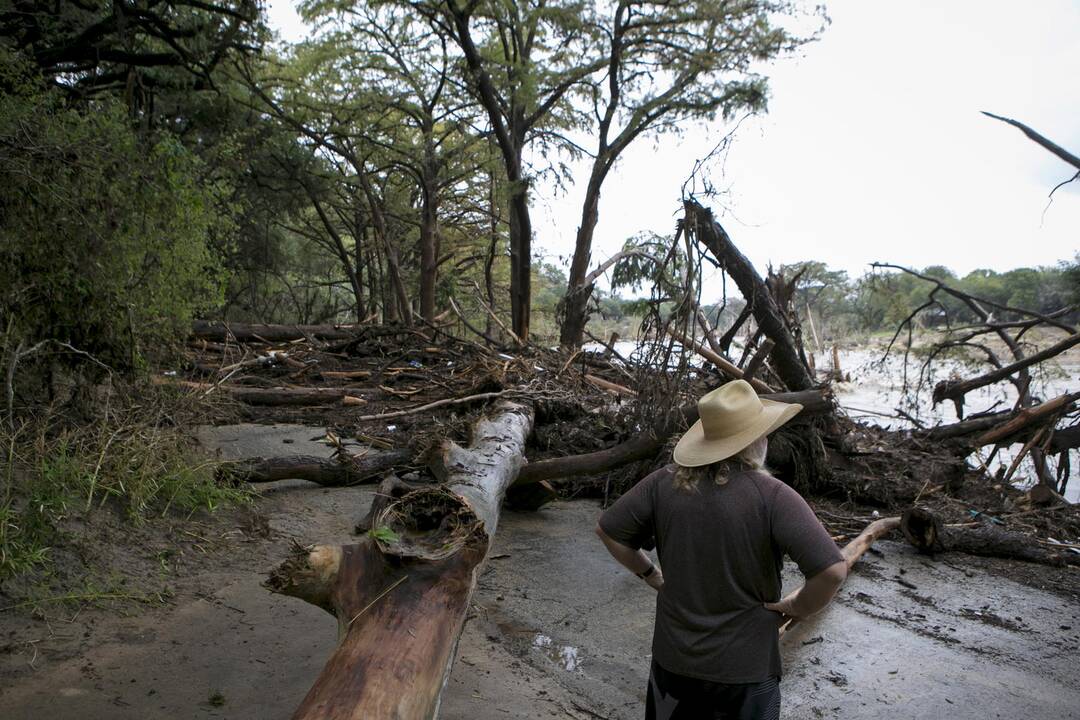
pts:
[600, 532]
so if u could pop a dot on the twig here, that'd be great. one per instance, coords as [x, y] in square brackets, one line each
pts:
[379, 597]
[433, 405]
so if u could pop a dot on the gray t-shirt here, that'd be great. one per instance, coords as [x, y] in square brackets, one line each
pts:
[721, 549]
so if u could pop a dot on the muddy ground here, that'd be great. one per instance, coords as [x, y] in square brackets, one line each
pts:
[557, 629]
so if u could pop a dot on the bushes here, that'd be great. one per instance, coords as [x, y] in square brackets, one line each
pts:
[104, 236]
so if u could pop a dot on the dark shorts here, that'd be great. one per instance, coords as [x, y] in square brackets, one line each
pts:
[677, 697]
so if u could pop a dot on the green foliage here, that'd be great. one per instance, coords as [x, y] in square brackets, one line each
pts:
[384, 534]
[104, 237]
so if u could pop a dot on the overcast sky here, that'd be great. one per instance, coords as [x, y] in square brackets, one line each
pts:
[873, 147]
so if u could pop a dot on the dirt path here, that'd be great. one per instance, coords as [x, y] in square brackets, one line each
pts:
[557, 631]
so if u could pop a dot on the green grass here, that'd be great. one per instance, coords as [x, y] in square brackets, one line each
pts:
[136, 463]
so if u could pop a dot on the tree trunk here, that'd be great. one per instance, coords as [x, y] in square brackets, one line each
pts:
[520, 259]
[277, 396]
[401, 594]
[429, 242]
[785, 355]
[578, 292]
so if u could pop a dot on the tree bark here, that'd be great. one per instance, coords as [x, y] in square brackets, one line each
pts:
[401, 594]
[785, 355]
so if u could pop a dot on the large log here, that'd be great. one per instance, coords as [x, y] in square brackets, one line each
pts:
[402, 592]
[258, 332]
[648, 442]
[785, 355]
[340, 470]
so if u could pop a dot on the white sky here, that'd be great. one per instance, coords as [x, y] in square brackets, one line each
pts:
[873, 147]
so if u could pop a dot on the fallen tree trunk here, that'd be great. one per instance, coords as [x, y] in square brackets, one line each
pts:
[245, 332]
[956, 389]
[401, 593]
[340, 470]
[855, 550]
[929, 535]
[648, 443]
[785, 356]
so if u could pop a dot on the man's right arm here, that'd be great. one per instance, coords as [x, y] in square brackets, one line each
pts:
[815, 593]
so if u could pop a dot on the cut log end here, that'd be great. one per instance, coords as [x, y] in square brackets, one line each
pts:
[429, 523]
[922, 529]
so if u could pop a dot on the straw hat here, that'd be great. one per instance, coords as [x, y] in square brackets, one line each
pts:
[732, 417]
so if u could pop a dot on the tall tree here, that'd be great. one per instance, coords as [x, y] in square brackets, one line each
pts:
[667, 62]
[524, 59]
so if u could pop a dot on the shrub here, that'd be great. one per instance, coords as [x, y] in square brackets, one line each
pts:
[104, 235]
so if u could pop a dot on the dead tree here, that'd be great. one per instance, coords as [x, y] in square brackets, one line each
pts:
[401, 593]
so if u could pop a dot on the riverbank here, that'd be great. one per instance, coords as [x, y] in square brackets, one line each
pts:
[557, 630]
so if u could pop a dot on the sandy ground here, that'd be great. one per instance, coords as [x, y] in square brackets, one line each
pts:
[557, 630]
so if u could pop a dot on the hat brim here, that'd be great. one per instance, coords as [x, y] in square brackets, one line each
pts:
[695, 450]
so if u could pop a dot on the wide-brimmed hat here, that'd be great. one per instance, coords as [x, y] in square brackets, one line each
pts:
[732, 417]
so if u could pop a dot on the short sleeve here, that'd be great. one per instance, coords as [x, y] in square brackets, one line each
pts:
[629, 521]
[797, 532]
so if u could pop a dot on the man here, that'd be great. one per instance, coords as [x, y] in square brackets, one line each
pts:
[722, 525]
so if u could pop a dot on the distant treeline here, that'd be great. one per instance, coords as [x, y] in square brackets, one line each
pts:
[842, 306]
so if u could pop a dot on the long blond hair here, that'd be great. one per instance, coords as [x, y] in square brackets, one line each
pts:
[752, 457]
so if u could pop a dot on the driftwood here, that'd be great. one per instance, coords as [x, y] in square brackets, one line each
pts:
[340, 470]
[245, 332]
[1026, 417]
[994, 427]
[401, 593]
[855, 550]
[276, 396]
[929, 535]
[648, 443]
[786, 360]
